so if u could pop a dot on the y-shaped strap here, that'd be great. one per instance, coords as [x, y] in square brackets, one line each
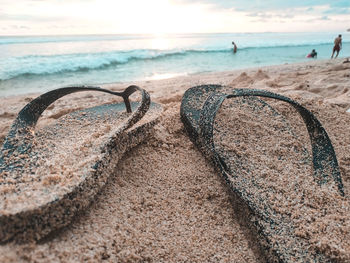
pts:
[324, 159]
[19, 137]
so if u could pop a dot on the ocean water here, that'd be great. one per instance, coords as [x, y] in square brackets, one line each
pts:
[40, 63]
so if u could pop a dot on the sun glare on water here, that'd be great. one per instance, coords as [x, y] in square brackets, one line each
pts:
[160, 76]
[159, 42]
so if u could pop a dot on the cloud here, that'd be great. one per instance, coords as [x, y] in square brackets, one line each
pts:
[111, 16]
[25, 17]
[47, 1]
[261, 15]
[334, 6]
[319, 19]
[265, 15]
[19, 27]
[338, 11]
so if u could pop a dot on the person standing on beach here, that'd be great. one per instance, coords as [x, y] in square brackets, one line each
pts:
[337, 46]
[234, 47]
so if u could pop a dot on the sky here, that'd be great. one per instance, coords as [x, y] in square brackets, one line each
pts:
[55, 17]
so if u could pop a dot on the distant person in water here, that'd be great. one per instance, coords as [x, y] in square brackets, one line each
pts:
[234, 47]
[313, 54]
[337, 46]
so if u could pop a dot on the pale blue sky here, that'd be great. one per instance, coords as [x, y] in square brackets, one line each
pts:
[28, 17]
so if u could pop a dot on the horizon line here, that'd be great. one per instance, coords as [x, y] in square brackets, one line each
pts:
[160, 34]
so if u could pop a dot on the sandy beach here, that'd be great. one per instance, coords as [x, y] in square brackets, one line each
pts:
[166, 203]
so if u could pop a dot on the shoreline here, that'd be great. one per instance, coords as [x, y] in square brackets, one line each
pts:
[172, 89]
[176, 86]
[165, 202]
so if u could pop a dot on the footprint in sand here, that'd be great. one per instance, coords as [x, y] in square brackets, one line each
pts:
[28, 99]
[7, 115]
[261, 75]
[302, 73]
[340, 67]
[242, 79]
[272, 84]
[332, 87]
[281, 81]
[331, 92]
[337, 68]
[302, 86]
[316, 90]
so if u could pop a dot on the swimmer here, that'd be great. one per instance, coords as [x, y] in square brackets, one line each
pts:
[234, 47]
[313, 54]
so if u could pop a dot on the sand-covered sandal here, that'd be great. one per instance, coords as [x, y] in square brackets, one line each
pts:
[50, 174]
[265, 164]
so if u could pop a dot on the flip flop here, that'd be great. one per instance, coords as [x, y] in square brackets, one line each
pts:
[48, 176]
[218, 127]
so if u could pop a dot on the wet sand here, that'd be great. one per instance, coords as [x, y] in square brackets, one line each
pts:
[165, 201]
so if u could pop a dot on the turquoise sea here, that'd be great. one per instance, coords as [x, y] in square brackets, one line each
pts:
[40, 63]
